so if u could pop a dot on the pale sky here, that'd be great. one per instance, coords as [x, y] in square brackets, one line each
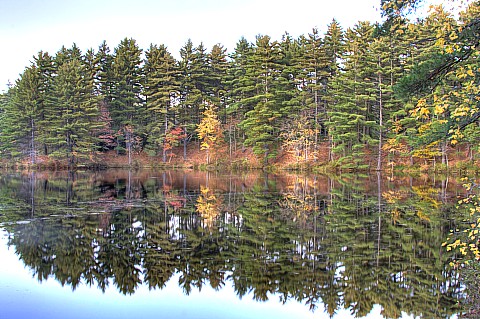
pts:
[29, 26]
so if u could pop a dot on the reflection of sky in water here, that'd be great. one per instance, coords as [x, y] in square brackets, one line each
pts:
[22, 297]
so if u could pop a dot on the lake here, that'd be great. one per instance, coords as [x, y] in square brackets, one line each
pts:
[123, 244]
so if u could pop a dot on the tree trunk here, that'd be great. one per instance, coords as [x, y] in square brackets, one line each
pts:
[32, 193]
[379, 197]
[380, 115]
[164, 153]
[230, 141]
[185, 146]
[315, 147]
[32, 143]
[444, 154]
[129, 146]
[128, 190]
[118, 145]
[330, 148]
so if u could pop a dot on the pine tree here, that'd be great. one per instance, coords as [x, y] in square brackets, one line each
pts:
[382, 90]
[5, 100]
[105, 73]
[218, 65]
[65, 55]
[46, 68]
[396, 35]
[291, 77]
[161, 91]
[106, 134]
[20, 118]
[25, 128]
[271, 96]
[292, 96]
[320, 64]
[240, 89]
[93, 99]
[261, 124]
[350, 118]
[334, 48]
[127, 104]
[201, 76]
[73, 113]
[315, 65]
[190, 96]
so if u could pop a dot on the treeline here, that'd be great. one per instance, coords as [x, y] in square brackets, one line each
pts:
[400, 88]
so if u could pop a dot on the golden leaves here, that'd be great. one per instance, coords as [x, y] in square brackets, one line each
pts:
[453, 36]
[209, 129]
[466, 239]
[392, 197]
[208, 206]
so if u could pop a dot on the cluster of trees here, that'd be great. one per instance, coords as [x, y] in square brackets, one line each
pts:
[401, 87]
[352, 246]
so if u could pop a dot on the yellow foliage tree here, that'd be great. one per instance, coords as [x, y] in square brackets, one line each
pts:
[465, 239]
[299, 139]
[208, 206]
[209, 131]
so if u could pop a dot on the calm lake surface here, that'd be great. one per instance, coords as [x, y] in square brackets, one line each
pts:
[146, 244]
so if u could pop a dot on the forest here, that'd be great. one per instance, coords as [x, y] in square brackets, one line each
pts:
[403, 92]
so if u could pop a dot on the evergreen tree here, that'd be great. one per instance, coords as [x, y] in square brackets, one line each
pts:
[201, 77]
[46, 68]
[20, 117]
[105, 83]
[397, 35]
[320, 68]
[190, 96]
[73, 112]
[104, 76]
[297, 129]
[161, 91]
[65, 55]
[334, 48]
[218, 65]
[291, 76]
[350, 118]
[316, 68]
[240, 89]
[127, 103]
[262, 122]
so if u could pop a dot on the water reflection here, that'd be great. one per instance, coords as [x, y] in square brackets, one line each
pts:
[341, 243]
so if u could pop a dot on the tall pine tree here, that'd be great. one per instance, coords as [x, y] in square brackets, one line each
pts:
[161, 92]
[127, 102]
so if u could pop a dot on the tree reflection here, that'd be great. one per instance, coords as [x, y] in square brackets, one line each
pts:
[208, 206]
[344, 243]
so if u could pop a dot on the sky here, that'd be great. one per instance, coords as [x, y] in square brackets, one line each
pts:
[30, 26]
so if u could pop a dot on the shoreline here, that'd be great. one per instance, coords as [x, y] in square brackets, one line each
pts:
[119, 162]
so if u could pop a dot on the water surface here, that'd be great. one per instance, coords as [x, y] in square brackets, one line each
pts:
[117, 244]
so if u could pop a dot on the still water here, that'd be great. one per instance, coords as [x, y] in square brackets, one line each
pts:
[146, 244]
